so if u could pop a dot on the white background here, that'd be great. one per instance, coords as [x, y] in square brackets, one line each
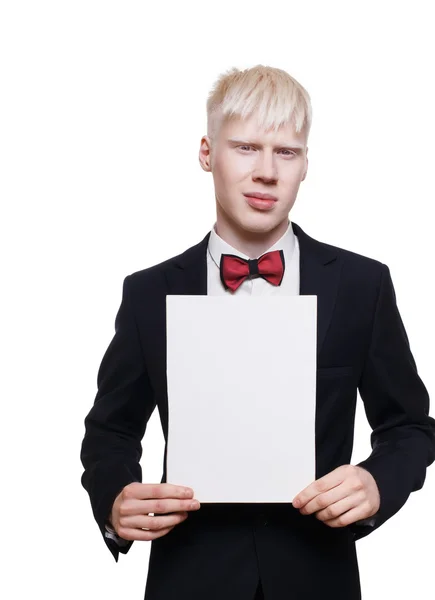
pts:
[103, 108]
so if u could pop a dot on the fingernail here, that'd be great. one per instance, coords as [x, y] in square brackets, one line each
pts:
[194, 504]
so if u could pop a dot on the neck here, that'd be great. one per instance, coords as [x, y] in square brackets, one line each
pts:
[251, 243]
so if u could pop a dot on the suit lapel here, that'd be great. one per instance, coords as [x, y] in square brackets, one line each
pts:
[319, 275]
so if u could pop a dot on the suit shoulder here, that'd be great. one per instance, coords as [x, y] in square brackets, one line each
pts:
[150, 274]
[349, 258]
[150, 278]
[154, 274]
[353, 259]
[358, 268]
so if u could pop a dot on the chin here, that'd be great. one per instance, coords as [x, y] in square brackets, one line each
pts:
[258, 223]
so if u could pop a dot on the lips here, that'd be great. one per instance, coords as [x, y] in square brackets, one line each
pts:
[260, 203]
[260, 196]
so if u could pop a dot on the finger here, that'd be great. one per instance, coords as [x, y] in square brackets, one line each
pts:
[152, 523]
[157, 506]
[336, 509]
[142, 535]
[322, 501]
[144, 491]
[321, 485]
[318, 487]
[349, 517]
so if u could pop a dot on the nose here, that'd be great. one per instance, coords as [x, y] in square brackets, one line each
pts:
[265, 168]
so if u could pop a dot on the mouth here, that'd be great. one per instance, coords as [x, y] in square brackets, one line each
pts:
[261, 201]
[261, 196]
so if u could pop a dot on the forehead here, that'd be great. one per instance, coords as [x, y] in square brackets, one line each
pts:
[250, 130]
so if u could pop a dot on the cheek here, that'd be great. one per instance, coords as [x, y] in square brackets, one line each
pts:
[229, 171]
[291, 181]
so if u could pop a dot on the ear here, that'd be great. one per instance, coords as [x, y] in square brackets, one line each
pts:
[306, 168]
[205, 153]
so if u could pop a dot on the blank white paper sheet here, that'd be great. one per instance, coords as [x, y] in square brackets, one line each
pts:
[241, 377]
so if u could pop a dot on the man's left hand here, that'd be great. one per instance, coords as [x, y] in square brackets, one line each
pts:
[343, 496]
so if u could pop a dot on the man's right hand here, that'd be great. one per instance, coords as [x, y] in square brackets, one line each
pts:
[130, 512]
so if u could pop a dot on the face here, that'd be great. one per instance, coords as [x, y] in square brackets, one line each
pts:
[247, 160]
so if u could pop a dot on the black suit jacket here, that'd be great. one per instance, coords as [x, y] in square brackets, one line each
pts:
[221, 550]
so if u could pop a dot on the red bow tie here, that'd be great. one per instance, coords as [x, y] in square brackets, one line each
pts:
[234, 269]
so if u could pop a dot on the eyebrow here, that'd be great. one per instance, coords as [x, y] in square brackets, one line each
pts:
[285, 146]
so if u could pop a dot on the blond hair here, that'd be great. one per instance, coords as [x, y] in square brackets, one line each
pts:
[271, 94]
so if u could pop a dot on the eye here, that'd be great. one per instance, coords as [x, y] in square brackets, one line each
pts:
[290, 152]
[244, 146]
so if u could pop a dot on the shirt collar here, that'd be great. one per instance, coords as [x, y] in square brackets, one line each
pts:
[217, 246]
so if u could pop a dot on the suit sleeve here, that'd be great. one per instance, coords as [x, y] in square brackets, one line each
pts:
[396, 404]
[114, 427]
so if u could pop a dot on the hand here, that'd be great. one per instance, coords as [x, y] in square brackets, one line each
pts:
[344, 496]
[130, 511]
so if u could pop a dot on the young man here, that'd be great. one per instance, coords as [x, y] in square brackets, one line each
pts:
[256, 149]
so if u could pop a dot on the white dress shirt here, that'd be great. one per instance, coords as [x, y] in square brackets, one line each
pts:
[254, 285]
